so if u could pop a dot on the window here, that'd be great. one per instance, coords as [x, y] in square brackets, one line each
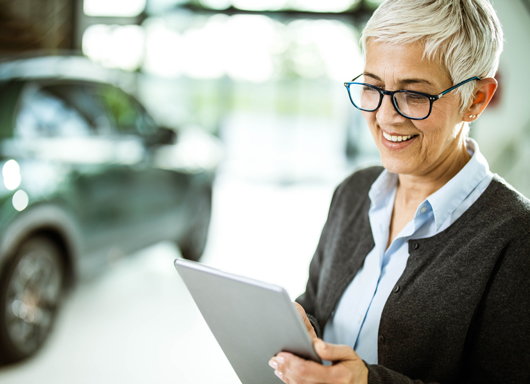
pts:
[125, 113]
[46, 113]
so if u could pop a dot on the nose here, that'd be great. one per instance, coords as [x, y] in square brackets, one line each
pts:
[387, 114]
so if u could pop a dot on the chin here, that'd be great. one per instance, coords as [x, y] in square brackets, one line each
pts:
[398, 167]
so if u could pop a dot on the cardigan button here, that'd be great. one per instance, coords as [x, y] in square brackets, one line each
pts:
[416, 245]
[396, 290]
[381, 339]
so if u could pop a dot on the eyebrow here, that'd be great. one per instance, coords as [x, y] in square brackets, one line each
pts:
[404, 81]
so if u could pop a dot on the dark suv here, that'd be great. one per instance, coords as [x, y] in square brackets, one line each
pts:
[87, 175]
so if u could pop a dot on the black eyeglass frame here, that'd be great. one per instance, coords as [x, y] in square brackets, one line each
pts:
[382, 92]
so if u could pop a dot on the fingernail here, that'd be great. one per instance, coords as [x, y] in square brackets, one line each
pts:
[279, 374]
[273, 364]
[280, 359]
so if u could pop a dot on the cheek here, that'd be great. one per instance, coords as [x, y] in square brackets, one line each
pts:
[436, 138]
[443, 123]
[438, 108]
[447, 112]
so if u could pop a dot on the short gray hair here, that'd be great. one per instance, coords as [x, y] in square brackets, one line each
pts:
[465, 35]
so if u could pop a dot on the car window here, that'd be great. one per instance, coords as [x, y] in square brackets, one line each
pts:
[128, 116]
[43, 113]
[79, 97]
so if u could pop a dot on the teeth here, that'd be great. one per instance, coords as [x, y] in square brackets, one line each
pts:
[397, 139]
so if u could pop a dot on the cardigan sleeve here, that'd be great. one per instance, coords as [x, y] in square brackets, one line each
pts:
[308, 299]
[350, 195]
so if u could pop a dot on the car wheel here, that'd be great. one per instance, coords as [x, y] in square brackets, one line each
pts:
[192, 245]
[30, 293]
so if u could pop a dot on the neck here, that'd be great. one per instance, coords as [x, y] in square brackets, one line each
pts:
[413, 189]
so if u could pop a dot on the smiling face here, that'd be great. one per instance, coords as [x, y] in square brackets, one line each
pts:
[413, 147]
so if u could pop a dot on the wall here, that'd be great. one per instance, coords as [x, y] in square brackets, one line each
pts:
[503, 131]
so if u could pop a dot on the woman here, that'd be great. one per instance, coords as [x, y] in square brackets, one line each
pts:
[421, 272]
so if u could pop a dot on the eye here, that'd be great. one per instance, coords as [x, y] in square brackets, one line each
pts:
[415, 96]
[412, 97]
[369, 89]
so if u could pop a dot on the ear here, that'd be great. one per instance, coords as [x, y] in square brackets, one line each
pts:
[481, 97]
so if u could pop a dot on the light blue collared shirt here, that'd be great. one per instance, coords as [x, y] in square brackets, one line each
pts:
[356, 319]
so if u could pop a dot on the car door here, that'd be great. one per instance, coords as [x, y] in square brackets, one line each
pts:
[159, 192]
[59, 122]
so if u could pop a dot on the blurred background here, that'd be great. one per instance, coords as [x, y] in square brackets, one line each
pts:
[133, 132]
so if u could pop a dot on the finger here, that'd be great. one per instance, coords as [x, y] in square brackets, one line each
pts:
[333, 352]
[300, 309]
[306, 321]
[291, 368]
[274, 364]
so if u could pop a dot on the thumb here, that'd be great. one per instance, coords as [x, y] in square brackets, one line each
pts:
[334, 352]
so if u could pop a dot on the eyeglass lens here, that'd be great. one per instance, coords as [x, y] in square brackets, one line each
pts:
[410, 104]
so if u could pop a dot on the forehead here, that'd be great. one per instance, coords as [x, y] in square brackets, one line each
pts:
[398, 63]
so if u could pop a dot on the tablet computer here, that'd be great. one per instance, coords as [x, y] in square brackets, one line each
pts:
[251, 320]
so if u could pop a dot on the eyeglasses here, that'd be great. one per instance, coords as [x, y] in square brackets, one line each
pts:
[410, 104]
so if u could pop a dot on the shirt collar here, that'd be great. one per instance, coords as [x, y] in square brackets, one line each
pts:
[445, 200]
[382, 186]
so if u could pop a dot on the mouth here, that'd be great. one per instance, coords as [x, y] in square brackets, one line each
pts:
[398, 139]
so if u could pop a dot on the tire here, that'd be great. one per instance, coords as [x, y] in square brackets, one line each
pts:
[30, 293]
[192, 245]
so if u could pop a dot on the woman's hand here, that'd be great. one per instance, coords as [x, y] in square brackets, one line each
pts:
[347, 368]
[306, 321]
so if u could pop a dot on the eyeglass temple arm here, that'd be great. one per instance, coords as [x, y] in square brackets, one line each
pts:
[356, 77]
[457, 85]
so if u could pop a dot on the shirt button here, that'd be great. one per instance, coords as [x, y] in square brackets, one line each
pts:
[381, 339]
[396, 290]
[423, 209]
